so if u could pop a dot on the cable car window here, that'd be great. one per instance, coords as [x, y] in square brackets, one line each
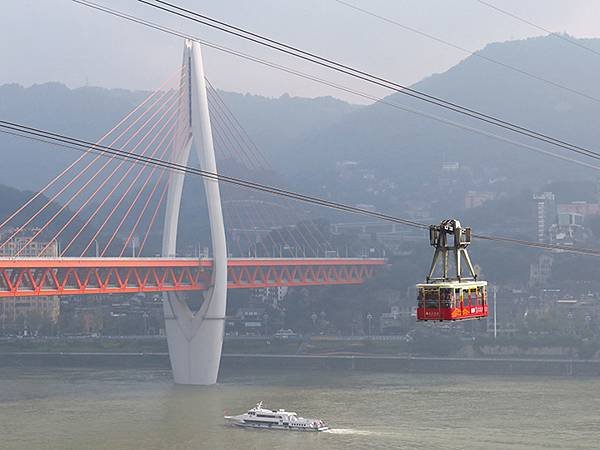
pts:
[431, 298]
[445, 297]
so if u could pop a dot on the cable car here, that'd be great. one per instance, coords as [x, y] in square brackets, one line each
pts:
[451, 296]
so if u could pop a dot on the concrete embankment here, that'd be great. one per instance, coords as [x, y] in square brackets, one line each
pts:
[400, 364]
[404, 364]
[117, 360]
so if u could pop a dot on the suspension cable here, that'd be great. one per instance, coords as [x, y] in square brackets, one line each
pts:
[62, 140]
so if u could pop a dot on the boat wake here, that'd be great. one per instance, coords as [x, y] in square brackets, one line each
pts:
[349, 431]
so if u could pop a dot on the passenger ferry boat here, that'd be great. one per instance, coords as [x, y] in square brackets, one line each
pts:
[259, 417]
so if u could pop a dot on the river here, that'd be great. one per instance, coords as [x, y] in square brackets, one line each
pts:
[51, 408]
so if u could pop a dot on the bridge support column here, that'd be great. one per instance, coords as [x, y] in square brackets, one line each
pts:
[195, 339]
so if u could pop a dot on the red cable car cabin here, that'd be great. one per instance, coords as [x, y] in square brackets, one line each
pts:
[451, 296]
[456, 300]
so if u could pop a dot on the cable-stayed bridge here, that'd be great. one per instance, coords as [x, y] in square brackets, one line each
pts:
[74, 235]
[27, 277]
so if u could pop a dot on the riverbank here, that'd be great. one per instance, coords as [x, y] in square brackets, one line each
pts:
[272, 363]
[515, 347]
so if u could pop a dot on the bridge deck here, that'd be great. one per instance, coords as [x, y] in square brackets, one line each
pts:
[86, 276]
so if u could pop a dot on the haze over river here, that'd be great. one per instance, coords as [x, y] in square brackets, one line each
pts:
[50, 408]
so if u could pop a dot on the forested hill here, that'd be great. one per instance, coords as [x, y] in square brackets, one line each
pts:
[410, 149]
[88, 112]
[308, 140]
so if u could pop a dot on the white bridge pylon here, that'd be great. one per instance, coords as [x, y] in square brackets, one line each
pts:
[195, 339]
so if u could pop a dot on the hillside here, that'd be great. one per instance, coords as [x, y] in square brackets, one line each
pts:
[377, 155]
[407, 151]
[88, 112]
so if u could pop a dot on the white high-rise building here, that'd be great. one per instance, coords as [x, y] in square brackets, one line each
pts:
[546, 213]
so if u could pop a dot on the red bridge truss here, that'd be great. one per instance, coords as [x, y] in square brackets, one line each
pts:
[85, 276]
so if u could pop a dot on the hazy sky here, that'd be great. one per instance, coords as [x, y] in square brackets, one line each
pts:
[58, 40]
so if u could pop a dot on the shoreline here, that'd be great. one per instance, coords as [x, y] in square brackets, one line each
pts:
[273, 362]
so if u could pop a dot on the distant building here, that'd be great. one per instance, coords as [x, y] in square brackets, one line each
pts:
[345, 165]
[13, 308]
[540, 272]
[26, 247]
[91, 319]
[546, 214]
[247, 321]
[569, 230]
[567, 219]
[394, 322]
[449, 176]
[583, 209]
[473, 199]
[450, 166]
[271, 295]
[347, 170]
[568, 227]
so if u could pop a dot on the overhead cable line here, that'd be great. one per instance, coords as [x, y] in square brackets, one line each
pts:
[87, 146]
[362, 75]
[475, 54]
[539, 27]
[115, 151]
[70, 166]
[325, 82]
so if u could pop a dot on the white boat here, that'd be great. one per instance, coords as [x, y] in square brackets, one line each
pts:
[259, 417]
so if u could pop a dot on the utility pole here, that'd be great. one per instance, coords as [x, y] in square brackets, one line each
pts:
[145, 316]
[495, 290]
